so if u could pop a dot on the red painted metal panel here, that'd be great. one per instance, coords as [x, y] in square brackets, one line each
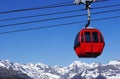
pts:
[91, 43]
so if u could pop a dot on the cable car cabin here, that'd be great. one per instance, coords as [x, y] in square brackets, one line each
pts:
[89, 43]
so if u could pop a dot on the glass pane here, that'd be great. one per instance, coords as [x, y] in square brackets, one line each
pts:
[101, 39]
[76, 43]
[82, 38]
[87, 36]
[95, 37]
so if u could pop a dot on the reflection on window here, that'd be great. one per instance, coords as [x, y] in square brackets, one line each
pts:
[87, 36]
[82, 38]
[76, 43]
[95, 36]
[101, 39]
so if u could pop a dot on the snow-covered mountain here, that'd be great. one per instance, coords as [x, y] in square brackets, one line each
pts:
[76, 70]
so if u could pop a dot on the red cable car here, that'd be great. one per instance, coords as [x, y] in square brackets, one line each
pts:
[89, 42]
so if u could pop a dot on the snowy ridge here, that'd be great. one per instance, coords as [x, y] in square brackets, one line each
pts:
[76, 70]
[114, 62]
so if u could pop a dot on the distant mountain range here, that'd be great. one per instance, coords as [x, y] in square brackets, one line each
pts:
[76, 70]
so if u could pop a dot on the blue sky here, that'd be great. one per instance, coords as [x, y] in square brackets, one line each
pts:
[54, 46]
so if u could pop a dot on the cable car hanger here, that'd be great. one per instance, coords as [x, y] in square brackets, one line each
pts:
[87, 3]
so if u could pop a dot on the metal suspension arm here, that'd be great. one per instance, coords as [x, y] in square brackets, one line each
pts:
[88, 23]
[87, 3]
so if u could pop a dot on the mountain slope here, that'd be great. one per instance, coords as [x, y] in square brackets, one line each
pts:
[76, 70]
[7, 72]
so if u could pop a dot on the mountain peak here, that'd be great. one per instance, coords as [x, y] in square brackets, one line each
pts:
[115, 62]
[41, 65]
[96, 64]
[5, 63]
[78, 63]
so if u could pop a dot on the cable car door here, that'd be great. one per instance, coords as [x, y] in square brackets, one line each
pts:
[88, 43]
[96, 43]
[82, 42]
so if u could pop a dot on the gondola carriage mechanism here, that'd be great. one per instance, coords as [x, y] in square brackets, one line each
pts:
[89, 42]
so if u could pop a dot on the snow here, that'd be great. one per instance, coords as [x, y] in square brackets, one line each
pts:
[5, 63]
[93, 65]
[114, 62]
[88, 71]
[114, 77]
[78, 64]
[2, 65]
[51, 75]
